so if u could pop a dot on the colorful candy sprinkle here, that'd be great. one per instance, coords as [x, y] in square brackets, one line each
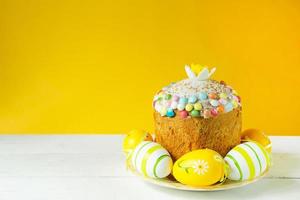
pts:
[202, 96]
[180, 106]
[220, 109]
[183, 114]
[189, 107]
[170, 112]
[183, 100]
[198, 106]
[174, 105]
[163, 111]
[212, 95]
[168, 103]
[214, 112]
[175, 98]
[214, 102]
[168, 97]
[228, 107]
[195, 113]
[223, 101]
[157, 107]
[206, 113]
[234, 103]
[192, 99]
[223, 82]
[223, 95]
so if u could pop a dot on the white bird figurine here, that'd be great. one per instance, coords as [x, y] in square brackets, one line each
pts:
[204, 74]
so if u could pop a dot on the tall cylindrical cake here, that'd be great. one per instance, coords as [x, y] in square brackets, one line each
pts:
[197, 113]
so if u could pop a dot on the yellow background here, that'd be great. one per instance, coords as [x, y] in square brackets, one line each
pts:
[94, 66]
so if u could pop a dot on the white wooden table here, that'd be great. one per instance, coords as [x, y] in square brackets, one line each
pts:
[91, 167]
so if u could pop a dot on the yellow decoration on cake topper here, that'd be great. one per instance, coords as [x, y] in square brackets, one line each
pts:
[197, 68]
[199, 72]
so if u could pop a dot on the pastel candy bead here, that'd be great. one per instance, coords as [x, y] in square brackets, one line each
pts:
[183, 100]
[183, 114]
[220, 109]
[228, 107]
[212, 95]
[163, 111]
[247, 161]
[180, 107]
[197, 106]
[175, 98]
[195, 113]
[174, 105]
[168, 97]
[202, 96]
[214, 102]
[170, 112]
[234, 104]
[223, 101]
[192, 99]
[168, 103]
[189, 107]
[223, 95]
[206, 113]
[214, 112]
[157, 107]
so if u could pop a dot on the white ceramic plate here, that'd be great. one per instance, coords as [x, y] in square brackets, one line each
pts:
[169, 183]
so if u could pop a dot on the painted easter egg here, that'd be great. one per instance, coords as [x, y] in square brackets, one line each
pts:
[257, 136]
[200, 168]
[133, 138]
[151, 160]
[247, 161]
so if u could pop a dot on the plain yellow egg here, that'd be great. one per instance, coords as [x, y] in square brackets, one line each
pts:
[257, 136]
[133, 138]
[200, 168]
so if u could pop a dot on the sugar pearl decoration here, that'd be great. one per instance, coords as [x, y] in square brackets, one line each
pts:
[163, 111]
[214, 112]
[212, 95]
[174, 105]
[189, 107]
[206, 113]
[168, 97]
[234, 103]
[183, 100]
[223, 101]
[220, 109]
[175, 98]
[170, 112]
[202, 96]
[228, 107]
[192, 99]
[223, 95]
[180, 106]
[214, 102]
[195, 113]
[197, 106]
[183, 114]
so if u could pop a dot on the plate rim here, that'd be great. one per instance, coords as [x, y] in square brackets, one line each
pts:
[179, 186]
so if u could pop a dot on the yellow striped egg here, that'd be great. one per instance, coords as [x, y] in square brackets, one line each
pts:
[152, 160]
[247, 161]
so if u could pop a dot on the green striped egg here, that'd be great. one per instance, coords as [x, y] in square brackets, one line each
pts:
[247, 161]
[152, 160]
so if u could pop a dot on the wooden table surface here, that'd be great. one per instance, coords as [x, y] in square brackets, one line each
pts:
[92, 167]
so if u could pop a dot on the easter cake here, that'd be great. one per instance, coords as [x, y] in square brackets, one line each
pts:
[197, 113]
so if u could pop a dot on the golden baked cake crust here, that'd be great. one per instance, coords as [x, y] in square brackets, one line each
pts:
[181, 135]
